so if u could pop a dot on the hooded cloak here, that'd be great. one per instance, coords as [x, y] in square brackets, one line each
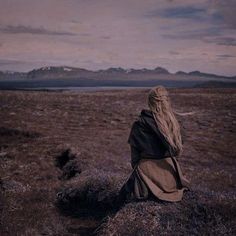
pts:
[156, 171]
[147, 139]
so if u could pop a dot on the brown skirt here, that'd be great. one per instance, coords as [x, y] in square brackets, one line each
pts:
[160, 178]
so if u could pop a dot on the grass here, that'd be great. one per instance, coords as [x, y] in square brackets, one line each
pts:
[87, 133]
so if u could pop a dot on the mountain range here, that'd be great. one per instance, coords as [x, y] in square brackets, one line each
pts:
[67, 72]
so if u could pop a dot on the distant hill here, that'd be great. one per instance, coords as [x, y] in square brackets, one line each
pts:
[12, 75]
[51, 72]
[201, 74]
[72, 72]
[112, 74]
[198, 73]
[157, 70]
[216, 84]
[181, 73]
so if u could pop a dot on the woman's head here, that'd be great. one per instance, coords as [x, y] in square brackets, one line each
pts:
[156, 97]
[159, 104]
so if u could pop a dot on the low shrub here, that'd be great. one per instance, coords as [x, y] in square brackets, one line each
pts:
[189, 217]
[93, 192]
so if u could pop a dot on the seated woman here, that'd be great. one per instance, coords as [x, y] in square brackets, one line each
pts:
[155, 142]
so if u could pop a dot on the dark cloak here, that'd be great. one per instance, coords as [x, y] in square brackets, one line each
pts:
[146, 138]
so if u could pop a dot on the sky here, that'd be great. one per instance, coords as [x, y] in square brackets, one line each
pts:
[184, 35]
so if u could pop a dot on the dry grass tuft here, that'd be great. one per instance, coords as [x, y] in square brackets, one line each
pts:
[70, 169]
[18, 133]
[192, 216]
[93, 192]
[65, 156]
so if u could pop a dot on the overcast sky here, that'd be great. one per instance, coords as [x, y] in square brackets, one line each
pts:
[176, 34]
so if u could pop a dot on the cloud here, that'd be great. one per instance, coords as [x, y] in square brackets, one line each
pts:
[227, 10]
[210, 35]
[187, 15]
[226, 41]
[199, 34]
[225, 56]
[22, 29]
[174, 53]
[106, 37]
[4, 62]
[186, 12]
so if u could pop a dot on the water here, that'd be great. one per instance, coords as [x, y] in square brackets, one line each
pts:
[90, 85]
[75, 88]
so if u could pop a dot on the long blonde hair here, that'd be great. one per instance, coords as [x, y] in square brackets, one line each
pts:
[167, 123]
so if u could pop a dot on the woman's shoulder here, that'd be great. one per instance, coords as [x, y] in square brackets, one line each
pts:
[146, 112]
[144, 120]
[140, 119]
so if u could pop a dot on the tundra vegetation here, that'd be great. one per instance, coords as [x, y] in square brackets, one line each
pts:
[64, 157]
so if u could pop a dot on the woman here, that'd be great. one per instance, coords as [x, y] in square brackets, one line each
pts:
[155, 142]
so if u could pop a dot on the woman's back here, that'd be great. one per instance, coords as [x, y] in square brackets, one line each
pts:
[146, 137]
[155, 141]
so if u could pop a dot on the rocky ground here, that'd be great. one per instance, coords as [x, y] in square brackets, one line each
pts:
[64, 156]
